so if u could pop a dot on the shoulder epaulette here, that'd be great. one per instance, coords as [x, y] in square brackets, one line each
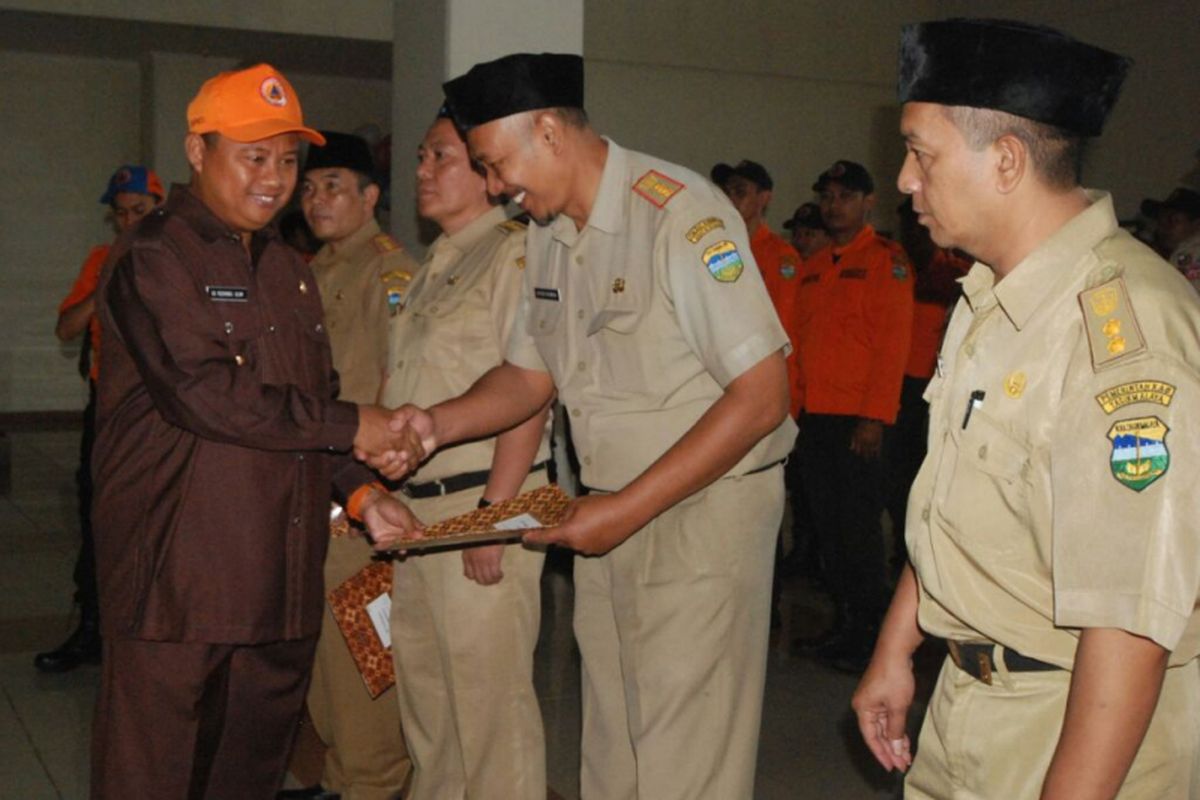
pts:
[1111, 325]
[657, 187]
[514, 225]
[384, 243]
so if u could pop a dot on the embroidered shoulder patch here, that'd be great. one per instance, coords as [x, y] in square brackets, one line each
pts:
[703, 228]
[899, 270]
[657, 188]
[384, 243]
[787, 270]
[1139, 451]
[1112, 328]
[724, 262]
[1136, 392]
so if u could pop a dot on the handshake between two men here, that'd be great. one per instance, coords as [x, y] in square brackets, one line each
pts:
[395, 442]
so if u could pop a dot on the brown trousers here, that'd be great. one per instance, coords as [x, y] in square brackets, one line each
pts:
[193, 720]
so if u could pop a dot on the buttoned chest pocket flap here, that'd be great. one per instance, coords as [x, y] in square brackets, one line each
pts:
[449, 327]
[545, 313]
[614, 330]
[984, 490]
[240, 327]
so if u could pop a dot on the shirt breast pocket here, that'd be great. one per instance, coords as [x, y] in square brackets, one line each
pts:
[241, 328]
[984, 493]
[443, 325]
[622, 352]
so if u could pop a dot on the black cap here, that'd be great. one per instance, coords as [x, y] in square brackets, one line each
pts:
[720, 174]
[750, 170]
[807, 215]
[1028, 70]
[512, 84]
[341, 150]
[1185, 200]
[850, 174]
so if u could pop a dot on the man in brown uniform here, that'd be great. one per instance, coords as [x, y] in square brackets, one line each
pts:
[643, 308]
[1052, 527]
[215, 422]
[363, 275]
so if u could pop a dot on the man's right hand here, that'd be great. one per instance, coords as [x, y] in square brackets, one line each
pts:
[881, 703]
[393, 449]
[414, 429]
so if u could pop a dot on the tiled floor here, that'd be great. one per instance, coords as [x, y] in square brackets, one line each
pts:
[809, 746]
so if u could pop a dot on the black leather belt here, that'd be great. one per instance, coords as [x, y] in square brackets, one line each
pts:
[455, 483]
[978, 659]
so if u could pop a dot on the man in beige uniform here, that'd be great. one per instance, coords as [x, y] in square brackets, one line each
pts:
[465, 622]
[362, 274]
[1052, 527]
[644, 309]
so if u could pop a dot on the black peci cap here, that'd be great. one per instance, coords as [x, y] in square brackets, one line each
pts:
[512, 84]
[341, 150]
[1027, 70]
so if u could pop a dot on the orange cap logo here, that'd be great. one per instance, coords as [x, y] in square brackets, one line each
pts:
[272, 91]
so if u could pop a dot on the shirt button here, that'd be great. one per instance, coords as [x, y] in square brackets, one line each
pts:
[587, 460]
[925, 514]
[969, 349]
[541, 323]
[239, 360]
[579, 259]
[300, 457]
[433, 309]
[318, 327]
[983, 452]
[574, 412]
[579, 313]
[271, 328]
[400, 364]
[229, 327]
[295, 520]
[582, 366]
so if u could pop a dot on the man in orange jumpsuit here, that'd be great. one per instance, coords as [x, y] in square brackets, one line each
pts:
[749, 187]
[133, 192]
[855, 321]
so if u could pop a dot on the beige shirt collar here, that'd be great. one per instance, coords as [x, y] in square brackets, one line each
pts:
[608, 209]
[465, 239]
[347, 249]
[1042, 277]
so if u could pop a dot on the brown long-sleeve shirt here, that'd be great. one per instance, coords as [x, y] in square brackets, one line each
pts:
[216, 422]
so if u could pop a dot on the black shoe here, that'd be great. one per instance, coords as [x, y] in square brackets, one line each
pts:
[317, 792]
[81, 647]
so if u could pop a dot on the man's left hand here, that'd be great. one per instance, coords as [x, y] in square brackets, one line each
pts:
[867, 440]
[592, 526]
[482, 564]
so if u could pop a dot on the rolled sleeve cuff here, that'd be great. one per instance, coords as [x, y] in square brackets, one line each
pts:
[751, 350]
[1132, 613]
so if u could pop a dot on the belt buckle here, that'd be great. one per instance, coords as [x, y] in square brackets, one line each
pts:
[984, 658]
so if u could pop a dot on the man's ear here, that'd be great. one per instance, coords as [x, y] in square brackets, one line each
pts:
[194, 147]
[371, 196]
[549, 128]
[869, 202]
[1011, 162]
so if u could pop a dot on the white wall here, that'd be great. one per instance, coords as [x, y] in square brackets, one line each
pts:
[68, 123]
[792, 85]
[352, 19]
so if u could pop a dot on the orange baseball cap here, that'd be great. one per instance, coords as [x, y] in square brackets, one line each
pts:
[249, 105]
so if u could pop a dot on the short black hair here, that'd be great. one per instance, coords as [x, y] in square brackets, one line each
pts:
[1056, 154]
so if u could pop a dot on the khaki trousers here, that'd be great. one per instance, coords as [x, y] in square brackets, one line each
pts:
[672, 626]
[983, 742]
[464, 668]
[366, 758]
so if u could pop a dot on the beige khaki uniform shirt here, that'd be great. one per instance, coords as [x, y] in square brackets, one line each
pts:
[362, 285]
[1066, 497]
[645, 315]
[458, 316]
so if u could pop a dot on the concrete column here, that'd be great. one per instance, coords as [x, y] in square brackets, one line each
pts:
[435, 41]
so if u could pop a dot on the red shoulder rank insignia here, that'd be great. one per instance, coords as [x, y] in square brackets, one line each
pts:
[385, 244]
[657, 188]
